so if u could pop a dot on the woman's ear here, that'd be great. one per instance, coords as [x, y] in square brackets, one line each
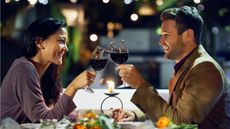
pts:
[38, 42]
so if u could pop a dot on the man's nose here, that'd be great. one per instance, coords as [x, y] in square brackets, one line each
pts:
[161, 42]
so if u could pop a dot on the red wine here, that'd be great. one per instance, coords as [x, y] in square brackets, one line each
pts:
[119, 58]
[98, 64]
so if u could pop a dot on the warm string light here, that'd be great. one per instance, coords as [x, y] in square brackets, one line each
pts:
[128, 1]
[146, 9]
[7, 1]
[33, 2]
[134, 17]
[113, 26]
[159, 2]
[73, 1]
[71, 15]
[105, 1]
[93, 37]
[196, 1]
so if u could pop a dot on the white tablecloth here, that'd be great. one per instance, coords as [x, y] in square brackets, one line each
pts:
[85, 100]
[124, 125]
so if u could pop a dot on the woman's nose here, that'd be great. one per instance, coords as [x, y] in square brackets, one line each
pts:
[65, 48]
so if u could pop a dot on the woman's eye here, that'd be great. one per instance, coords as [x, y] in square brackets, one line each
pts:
[61, 41]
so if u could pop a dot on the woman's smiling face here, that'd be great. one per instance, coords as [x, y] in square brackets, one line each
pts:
[55, 46]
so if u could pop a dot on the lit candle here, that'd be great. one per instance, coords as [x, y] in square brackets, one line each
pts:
[110, 86]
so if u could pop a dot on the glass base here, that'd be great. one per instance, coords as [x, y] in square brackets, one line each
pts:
[124, 87]
[88, 89]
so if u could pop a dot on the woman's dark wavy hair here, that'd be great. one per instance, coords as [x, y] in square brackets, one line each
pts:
[51, 81]
[186, 17]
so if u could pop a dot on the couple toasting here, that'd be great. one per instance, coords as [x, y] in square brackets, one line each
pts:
[198, 89]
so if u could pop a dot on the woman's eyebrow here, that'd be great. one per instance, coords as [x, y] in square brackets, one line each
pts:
[64, 38]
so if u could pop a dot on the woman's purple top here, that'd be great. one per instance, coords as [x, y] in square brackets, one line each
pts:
[21, 96]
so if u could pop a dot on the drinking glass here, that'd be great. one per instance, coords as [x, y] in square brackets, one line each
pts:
[97, 62]
[119, 53]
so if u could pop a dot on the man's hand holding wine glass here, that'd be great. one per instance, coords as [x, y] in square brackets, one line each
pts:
[119, 53]
[131, 75]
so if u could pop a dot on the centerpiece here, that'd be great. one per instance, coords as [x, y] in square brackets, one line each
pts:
[92, 120]
[110, 94]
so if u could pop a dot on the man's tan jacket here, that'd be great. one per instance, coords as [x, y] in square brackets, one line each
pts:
[198, 93]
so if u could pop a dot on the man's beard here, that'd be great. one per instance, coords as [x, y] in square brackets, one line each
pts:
[176, 51]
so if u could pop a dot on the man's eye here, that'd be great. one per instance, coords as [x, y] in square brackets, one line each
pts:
[166, 35]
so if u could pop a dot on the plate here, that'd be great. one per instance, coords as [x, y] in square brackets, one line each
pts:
[130, 125]
[137, 125]
[30, 126]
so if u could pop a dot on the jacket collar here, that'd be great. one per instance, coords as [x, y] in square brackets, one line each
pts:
[187, 64]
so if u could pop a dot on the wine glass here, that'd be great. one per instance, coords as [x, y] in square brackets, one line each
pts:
[97, 62]
[119, 53]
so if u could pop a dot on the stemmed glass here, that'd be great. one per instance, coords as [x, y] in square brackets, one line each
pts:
[119, 53]
[98, 61]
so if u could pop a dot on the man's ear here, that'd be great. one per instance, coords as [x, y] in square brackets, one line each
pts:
[188, 35]
[38, 42]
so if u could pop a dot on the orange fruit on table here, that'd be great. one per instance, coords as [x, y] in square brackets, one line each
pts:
[96, 127]
[90, 115]
[79, 126]
[163, 122]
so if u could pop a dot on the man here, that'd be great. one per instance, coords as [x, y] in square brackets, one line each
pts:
[198, 91]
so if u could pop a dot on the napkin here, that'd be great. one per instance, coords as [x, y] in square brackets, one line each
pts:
[9, 123]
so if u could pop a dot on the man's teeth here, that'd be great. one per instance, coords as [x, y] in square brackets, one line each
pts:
[165, 47]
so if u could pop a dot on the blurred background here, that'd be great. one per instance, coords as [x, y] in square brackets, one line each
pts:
[98, 22]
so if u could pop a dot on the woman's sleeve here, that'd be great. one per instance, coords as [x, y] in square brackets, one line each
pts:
[31, 99]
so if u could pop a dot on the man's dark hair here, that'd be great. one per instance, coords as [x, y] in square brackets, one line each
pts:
[186, 17]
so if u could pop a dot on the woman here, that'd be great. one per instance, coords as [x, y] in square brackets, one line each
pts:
[31, 89]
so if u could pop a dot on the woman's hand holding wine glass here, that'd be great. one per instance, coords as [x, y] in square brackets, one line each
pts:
[97, 62]
[82, 80]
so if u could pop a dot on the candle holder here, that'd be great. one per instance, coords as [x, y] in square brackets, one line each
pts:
[110, 95]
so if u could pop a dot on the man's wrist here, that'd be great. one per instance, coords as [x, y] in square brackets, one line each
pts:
[135, 116]
[143, 83]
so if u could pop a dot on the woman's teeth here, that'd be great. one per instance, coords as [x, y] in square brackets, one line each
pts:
[60, 54]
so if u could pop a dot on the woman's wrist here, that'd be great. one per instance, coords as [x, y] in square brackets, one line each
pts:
[70, 91]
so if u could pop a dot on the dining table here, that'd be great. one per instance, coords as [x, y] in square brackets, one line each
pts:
[123, 125]
[85, 100]
[92, 101]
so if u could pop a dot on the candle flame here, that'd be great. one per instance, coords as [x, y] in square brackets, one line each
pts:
[111, 85]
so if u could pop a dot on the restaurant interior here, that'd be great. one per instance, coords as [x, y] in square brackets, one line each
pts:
[98, 22]
[93, 23]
